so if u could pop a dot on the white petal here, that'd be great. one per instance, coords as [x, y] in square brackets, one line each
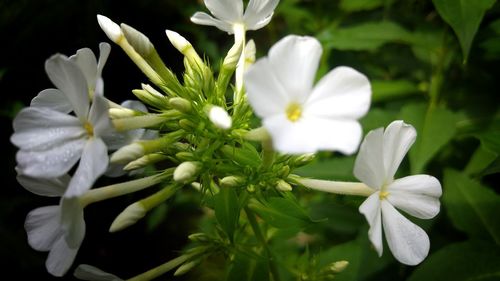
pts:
[93, 164]
[398, 138]
[104, 50]
[45, 187]
[67, 77]
[92, 273]
[205, 19]
[408, 242]
[417, 195]
[257, 11]
[53, 162]
[295, 60]
[371, 210]
[343, 92]
[99, 116]
[41, 128]
[227, 10]
[72, 221]
[85, 59]
[310, 134]
[60, 258]
[53, 99]
[265, 92]
[42, 227]
[368, 166]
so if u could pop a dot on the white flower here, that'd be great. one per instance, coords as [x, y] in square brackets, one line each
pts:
[59, 229]
[229, 14]
[91, 273]
[50, 140]
[379, 157]
[219, 117]
[300, 118]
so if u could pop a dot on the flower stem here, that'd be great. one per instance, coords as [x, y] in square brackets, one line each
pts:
[262, 240]
[337, 187]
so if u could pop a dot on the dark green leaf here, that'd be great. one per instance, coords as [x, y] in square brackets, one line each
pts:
[227, 210]
[471, 260]
[360, 5]
[367, 36]
[435, 128]
[335, 168]
[281, 213]
[472, 208]
[245, 268]
[244, 156]
[389, 90]
[464, 16]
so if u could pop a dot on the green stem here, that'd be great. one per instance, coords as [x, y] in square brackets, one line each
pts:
[262, 240]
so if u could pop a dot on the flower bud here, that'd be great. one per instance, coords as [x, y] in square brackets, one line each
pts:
[339, 266]
[112, 30]
[127, 153]
[219, 117]
[116, 113]
[137, 40]
[231, 181]
[144, 161]
[186, 124]
[181, 104]
[250, 52]
[186, 171]
[184, 155]
[199, 237]
[128, 217]
[233, 56]
[186, 267]
[283, 185]
[183, 46]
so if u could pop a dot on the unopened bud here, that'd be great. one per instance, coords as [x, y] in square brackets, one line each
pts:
[186, 171]
[128, 217]
[186, 267]
[339, 266]
[127, 153]
[199, 237]
[184, 155]
[186, 124]
[137, 40]
[233, 56]
[250, 52]
[283, 185]
[181, 104]
[112, 30]
[304, 159]
[183, 46]
[219, 117]
[116, 113]
[196, 185]
[144, 161]
[231, 181]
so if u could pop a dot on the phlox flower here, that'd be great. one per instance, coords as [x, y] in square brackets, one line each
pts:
[50, 140]
[229, 14]
[299, 117]
[379, 157]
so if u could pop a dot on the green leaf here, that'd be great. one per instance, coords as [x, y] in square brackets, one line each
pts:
[377, 118]
[389, 90]
[360, 5]
[466, 261]
[485, 154]
[245, 268]
[435, 128]
[281, 213]
[227, 210]
[339, 168]
[246, 155]
[464, 16]
[472, 208]
[366, 36]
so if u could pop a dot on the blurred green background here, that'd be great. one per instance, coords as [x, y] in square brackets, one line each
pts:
[421, 71]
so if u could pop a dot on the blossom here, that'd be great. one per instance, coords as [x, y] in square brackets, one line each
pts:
[59, 229]
[50, 140]
[229, 14]
[379, 157]
[299, 117]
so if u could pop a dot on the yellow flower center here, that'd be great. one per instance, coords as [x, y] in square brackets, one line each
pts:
[88, 127]
[383, 195]
[294, 111]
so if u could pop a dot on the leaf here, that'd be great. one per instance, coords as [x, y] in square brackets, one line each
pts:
[363, 259]
[389, 90]
[485, 154]
[472, 208]
[471, 260]
[281, 213]
[366, 36]
[464, 16]
[435, 128]
[339, 168]
[227, 210]
[245, 268]
[244, 156]
[360, 5]
[343, 215]
[377, 118]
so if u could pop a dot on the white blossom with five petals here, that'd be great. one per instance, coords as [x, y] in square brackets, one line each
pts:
[379, 157]
[59, 229]
[50, 140]
[299, 117]
[229, 14]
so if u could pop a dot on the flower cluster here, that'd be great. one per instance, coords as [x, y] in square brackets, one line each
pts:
[200, 128]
